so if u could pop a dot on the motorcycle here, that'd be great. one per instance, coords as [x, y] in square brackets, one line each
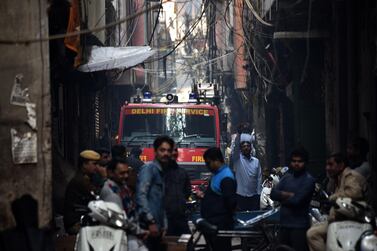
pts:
[319, 205]
[265, 201]
[193, 202]
[255, 233]
[316, 213]
[105, 227]
[357, 232]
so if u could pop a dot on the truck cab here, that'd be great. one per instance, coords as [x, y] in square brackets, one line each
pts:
[194, 128]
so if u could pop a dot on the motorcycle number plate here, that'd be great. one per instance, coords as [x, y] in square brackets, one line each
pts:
[102, 234]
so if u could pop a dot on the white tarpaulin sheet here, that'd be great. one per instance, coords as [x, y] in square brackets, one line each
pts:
[108, 58]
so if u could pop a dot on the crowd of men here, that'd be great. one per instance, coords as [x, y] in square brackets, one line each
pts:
[156, 192]
[348, 176]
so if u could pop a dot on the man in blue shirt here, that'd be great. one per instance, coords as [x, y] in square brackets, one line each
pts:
[219, 202]
[294, 192]
[248, 174]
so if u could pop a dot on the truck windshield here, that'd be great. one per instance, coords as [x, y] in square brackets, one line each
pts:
[189, 127]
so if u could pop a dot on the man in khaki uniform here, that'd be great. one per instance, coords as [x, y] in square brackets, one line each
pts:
[78, 192]
[348, 183]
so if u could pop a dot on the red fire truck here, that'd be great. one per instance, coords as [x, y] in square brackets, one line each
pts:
[194, 126]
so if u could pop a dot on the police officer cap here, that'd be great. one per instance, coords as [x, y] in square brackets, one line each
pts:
[90, 155]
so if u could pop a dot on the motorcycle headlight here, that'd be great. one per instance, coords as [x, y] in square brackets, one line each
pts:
[118, 223]
[116, 220]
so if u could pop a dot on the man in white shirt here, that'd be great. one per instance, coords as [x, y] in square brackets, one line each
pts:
[248, 175]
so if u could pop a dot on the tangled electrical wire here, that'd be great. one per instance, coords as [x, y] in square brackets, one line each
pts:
[188, 33]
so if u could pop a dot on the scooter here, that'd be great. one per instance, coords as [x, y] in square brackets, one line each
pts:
[105, 227]
[355, 233]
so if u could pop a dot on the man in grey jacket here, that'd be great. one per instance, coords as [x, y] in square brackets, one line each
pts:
[116, 190]
[150, 190]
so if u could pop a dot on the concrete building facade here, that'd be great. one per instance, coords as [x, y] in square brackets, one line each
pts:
[24, 109]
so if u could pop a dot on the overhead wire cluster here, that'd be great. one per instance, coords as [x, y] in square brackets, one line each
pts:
[251, 47]
[133, 19]
[247, 40]
[132, 25]
[187, 34]
[155, 24]
[208, 61]
[39, 38]
[170, 82]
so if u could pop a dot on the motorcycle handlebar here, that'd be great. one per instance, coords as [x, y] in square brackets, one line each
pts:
[80, 208]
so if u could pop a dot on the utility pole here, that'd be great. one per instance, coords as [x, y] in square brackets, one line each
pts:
[25, 139]
[212, 48]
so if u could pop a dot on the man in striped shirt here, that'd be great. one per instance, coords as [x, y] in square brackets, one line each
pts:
[248, 174]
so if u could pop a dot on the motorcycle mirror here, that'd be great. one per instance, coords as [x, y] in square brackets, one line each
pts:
[94, 195]
[367, 219]
[325, 194]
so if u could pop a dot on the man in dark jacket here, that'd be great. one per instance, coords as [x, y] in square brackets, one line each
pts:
[177, 192]
[219, 202]
[118, 151]
[150, 191]
[134, 159]
[294, 192]
[357, 153]
[104, 153]
[78, 192]
[135, 164]
[26, 235]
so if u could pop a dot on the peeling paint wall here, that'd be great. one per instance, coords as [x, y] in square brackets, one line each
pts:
[22, 20]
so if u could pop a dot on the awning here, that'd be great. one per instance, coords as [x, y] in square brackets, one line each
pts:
[108, 58]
